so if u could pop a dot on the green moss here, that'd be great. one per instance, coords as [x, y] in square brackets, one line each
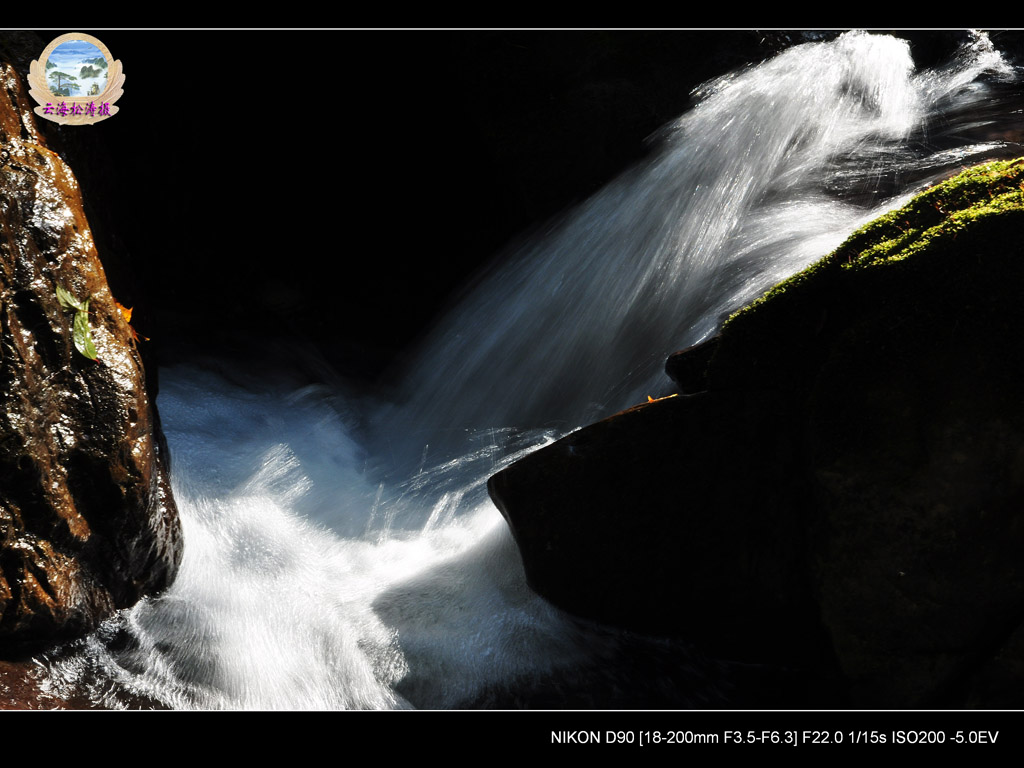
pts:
[945, 210]
[951, 256]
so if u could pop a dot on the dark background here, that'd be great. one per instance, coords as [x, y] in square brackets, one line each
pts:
[342, 187]
[263, 191]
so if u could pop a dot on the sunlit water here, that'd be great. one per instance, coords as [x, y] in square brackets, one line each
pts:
[344, 554]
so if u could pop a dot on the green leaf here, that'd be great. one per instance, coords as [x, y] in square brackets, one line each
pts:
[67, 301]
[82, 333]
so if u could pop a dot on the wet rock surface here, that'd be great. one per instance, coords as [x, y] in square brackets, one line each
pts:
[845, 494]
[87, 521]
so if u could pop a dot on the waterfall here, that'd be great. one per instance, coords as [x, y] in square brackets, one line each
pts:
[770, 171]
[330, 567]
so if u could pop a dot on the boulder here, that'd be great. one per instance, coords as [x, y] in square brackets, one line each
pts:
[688, 368]
[845, 490]
[640, 521]
[87, 521]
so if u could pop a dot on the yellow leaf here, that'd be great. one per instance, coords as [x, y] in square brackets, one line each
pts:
[126, 312]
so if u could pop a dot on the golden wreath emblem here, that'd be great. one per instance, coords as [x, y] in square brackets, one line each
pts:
[76, 81]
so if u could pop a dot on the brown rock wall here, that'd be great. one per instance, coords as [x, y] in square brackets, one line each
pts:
[87, 521]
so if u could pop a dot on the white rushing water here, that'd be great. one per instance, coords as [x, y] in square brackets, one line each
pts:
[331, 567]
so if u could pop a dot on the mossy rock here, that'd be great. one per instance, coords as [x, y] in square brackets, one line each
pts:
[953, 250]
[868, 412]
[897, 364]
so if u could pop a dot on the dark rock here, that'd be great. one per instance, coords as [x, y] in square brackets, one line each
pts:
[688, 368]
[847, 492]
[676, 537]
[87, 521]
